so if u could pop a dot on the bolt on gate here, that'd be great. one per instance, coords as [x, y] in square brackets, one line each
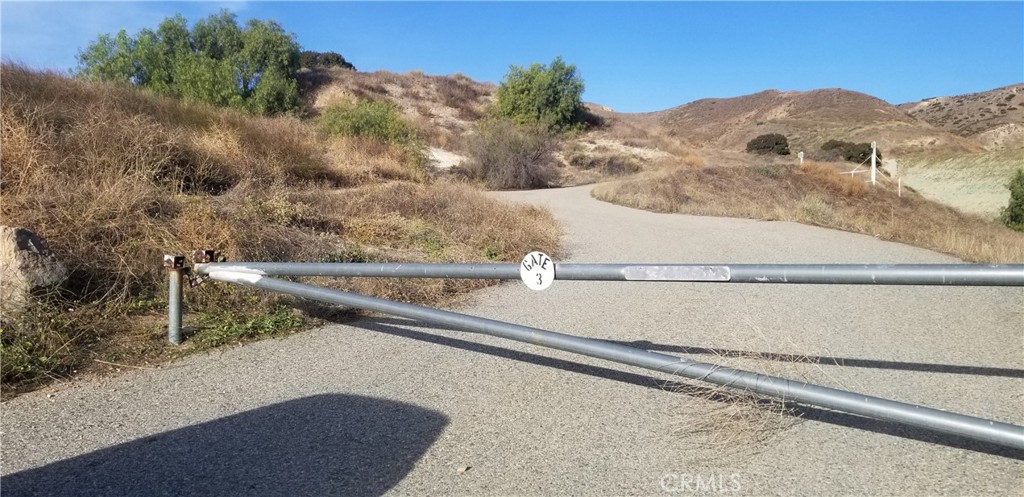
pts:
[538, 271]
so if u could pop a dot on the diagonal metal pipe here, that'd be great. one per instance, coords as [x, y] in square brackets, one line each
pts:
[975, 428]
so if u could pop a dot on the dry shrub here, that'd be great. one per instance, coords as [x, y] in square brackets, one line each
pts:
[424, 110]
[610, 164]
[814, 209]
[434, 135]
[103, 177]
[816, 194]
[735, 423]
[376, 89]
[113, 178]
[693, 160]
[628, 133]
[507, 157]
[461, 95]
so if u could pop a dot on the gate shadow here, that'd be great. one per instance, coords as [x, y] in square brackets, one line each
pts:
[320, 445]
[828, 360]
[399, 327]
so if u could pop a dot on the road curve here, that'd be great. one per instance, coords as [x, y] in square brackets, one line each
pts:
[384, 406]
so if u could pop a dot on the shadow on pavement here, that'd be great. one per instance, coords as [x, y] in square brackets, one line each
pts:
[397, 327]
[321, 445]
[829, 360]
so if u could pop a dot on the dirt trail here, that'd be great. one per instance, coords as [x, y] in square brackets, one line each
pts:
[383, 405]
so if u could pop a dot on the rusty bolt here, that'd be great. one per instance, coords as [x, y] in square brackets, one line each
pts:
[174, 261]
[203, 256]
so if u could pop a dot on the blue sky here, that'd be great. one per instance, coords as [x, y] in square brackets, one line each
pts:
[633, 57]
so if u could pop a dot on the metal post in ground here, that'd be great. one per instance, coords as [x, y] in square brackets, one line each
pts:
[874, 166]
[175, 265]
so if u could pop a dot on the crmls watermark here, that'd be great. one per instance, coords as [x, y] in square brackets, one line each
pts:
[701, 483]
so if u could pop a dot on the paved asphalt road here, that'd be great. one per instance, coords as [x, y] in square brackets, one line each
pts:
[383, 405]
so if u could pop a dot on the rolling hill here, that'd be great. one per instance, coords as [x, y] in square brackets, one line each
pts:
[808, 119]
[959, 150]
[994, 118]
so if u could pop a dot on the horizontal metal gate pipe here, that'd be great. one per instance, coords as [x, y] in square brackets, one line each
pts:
[847, 274]
[805, 393]
[367, 269]
[880, 274]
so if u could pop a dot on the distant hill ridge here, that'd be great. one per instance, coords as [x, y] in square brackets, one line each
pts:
[994, 118]
[807, 118]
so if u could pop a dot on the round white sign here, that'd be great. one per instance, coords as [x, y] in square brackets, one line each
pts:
[537, 270]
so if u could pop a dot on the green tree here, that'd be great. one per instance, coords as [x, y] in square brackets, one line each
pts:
[1013, 214]
[198, 77]
[314, 60]
[109, 58]
[770, 143]
[849, 151]
[218, 36]
[546, 94]
[216, 62]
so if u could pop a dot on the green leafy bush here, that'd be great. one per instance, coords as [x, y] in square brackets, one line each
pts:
[216, 62]
[550, 95]
[377, 119]
[506, 156]
[773, 143]
[314, 60]
[849, 151]
[1013, 214]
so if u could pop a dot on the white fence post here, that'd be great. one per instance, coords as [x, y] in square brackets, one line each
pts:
[874, 165]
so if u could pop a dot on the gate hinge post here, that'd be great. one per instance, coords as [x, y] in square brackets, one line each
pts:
[175, 265]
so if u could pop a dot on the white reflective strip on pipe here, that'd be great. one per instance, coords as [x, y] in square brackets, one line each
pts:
[235, 277]
[234, 268]
[677, 273]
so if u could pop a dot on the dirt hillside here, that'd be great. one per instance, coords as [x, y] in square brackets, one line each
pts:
[994, 118]
[945, 146]
[808, 119]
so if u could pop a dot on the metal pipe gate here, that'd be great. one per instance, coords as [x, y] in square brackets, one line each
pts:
[256, 275]
[845, 274]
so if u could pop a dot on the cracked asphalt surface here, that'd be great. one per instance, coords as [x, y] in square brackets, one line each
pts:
[383, 405]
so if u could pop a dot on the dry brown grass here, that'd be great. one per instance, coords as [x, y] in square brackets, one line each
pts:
[732, 424]
[693, 160]
[461, 95]
[113, 178]
[817, 194]
[633, 133]
[606, 162]
[833, 180]
[596, 157]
